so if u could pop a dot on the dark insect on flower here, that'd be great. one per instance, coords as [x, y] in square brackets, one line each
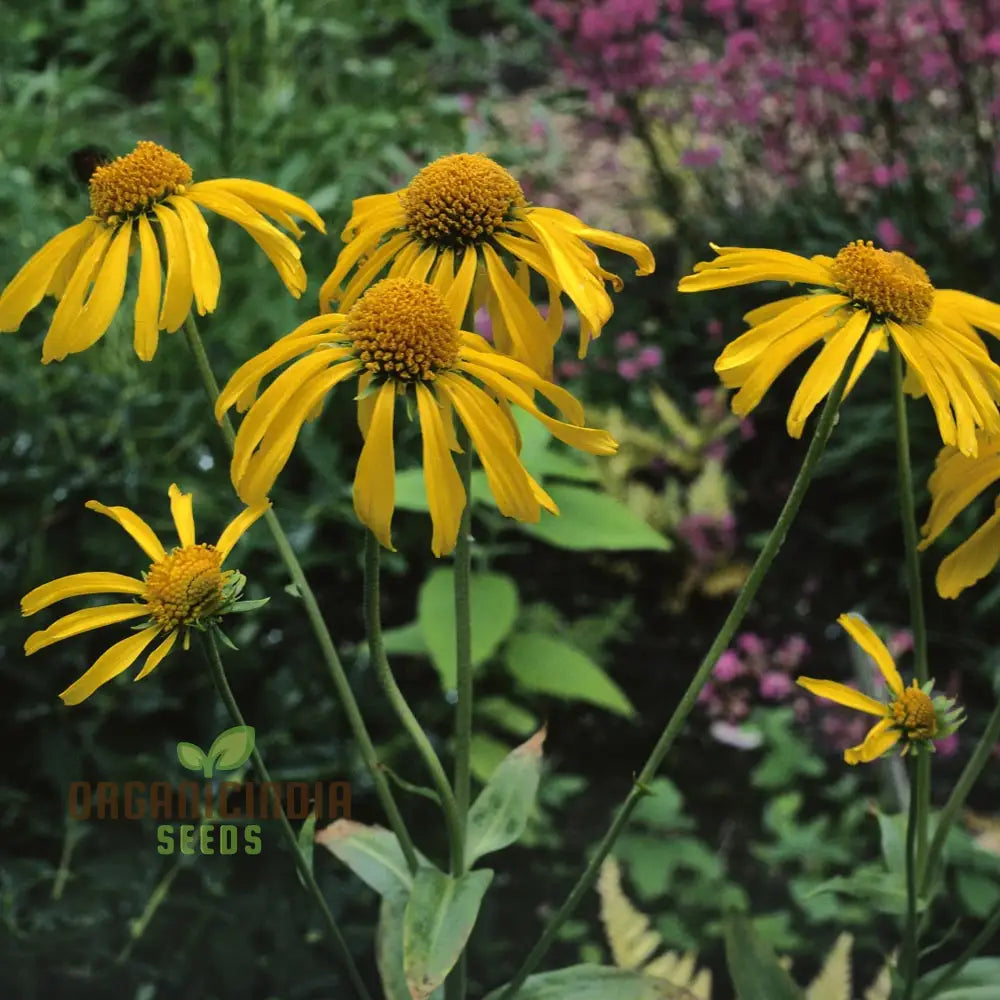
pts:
[85, 160]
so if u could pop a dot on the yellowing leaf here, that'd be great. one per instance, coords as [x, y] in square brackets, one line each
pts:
[834, 979]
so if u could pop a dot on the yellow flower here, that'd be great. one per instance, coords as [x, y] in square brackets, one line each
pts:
[463, 221]
[910, 713]
[863, 295]
[132, 199]
[401, 339]
[955, 482]
[183, 589]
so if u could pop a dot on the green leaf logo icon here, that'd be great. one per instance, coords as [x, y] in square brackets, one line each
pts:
[230, 749]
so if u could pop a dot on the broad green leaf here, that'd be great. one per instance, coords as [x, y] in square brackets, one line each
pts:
[191, 756]
[500, 813]
[389, 948]
[542, 461]
[411, 491]
[486, 754]
[595, 982]
[507, 715]
[550, 666]
[494, 610]
[406, 639]
[753, 966]
[591, 520]
[371, 852]
[232, 748]
[437, 922]
[977, 981]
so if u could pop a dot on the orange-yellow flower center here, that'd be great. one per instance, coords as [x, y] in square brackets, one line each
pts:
[460, 199]
[913, 711]
[889, 284]
[132, 184]
[185, 586]
[402, 329]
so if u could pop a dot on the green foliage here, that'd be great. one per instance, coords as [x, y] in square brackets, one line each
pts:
[753, 966]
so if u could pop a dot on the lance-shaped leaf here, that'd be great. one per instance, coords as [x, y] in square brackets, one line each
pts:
[232, 748]
[438, 920]
[389, 949]
[595, 982]
[371, 852]
[500, 813]
[753, 966]
[306, 841]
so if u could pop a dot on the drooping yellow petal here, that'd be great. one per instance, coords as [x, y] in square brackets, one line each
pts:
[181, 509]
[875, 340]
[531, 253]
[525, 326]
[375, 477]
[976, 557]
[27, 288]
[375, 211]
[861, 632]
[880, 739]
[110, 664]
[147, 303]
[366, 403]
[456, 298]
[842, 695]
[269, 200]
[76, 585]
[179, 290]
[142, 533]
[421, 266]
[965, 478]
[971, 308]
[83, 621]
[769, 310]
[372, 267]
[206, 278]
[636, 249]
[745, 265]
[238, 527]
[155, 658]
[356, 250]
[444, 272]
[445, 493]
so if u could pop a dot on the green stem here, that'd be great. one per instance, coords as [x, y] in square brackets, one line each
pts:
[225, 692]
[908, 515]
[986, 936]
[676, 722]
[910, 944]
[380, 662]
[980, 757]
[330, 658]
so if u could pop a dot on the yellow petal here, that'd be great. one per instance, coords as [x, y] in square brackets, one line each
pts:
[76, 585]
[965, 478]
[444, 273]
[842, 695]
[142, 533]
[636, 249]
[351, 254]
[182, 513]
[372, 268]
[206, 278]
[238, 527]
[770, 310]
[147, 303]
[375, 478]
[971, 308]
[401, 263]
[972, 560]
[106, 295]
[270, 200]
[27, 288]
[375, 211]
[880, 740]
[421, 267]
[875, 340]
[154, 658]
[861, 632]
[525, 326]
[531, 253]
[110, 664]
[445, 493]
[179, 290]
[741, 266]
[83, 621]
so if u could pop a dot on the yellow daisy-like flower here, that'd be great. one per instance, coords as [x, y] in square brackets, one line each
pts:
[184, 588]
[464, 221]
[146, 201]
[909, 714]
[401, 338]
[863, 296]
[955, 482]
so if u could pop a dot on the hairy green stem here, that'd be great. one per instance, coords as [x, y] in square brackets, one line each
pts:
[330, 657]
[910, 944]
[305, 871]
[676, 721]
[380, 663]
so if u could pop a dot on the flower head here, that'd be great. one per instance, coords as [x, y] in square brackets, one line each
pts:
[464, 224]
[184, 588]
[146, 201]
[910, 713]
[401, 338]
[860, 300]
[955, 482]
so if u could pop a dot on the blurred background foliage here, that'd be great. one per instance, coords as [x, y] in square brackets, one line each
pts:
[590, 623]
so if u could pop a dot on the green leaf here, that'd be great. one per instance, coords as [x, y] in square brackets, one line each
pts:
[892, 831]
[406, 639]
[500, 813]
[389, 948]
[507, 715]
[371, 852]
[307, 839]
[232, 748]
[550, 666]
[241, 607]
[411, 491]
[977, 981]
[595, 982]
[191, 756]
[485, 755]
[753, 966]
[494, 610]
[437, 922]
[591, 520]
